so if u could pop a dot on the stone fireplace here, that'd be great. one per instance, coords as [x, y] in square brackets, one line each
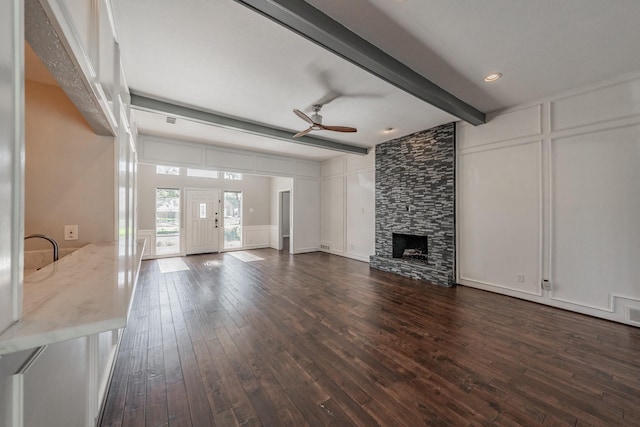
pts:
[415, 206]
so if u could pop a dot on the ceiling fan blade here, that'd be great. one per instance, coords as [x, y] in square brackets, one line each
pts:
[303, 133]
[340, 128]
[303, 116]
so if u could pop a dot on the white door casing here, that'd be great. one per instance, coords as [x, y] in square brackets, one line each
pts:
[203, 222]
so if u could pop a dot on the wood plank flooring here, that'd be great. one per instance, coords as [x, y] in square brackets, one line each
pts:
[317, 340]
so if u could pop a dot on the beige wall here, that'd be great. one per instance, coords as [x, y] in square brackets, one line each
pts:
[69, 175]
[255, 193]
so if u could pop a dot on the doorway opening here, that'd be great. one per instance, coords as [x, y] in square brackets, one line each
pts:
[284, 220]
[232, 220]
[167, 221]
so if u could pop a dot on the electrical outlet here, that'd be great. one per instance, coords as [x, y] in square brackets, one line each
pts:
[70, 232]
[520, 278]
[546, 285]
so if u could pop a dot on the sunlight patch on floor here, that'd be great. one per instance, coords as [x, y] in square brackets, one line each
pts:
[171, 265]
[245, 256]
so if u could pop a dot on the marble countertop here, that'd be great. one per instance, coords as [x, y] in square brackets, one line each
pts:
[84, 293]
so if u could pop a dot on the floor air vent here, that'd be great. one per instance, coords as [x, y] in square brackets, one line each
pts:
[633, 315]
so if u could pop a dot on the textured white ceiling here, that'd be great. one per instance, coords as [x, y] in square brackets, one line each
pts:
[219, 56]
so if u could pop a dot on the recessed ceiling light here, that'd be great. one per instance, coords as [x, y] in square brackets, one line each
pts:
[492, 77]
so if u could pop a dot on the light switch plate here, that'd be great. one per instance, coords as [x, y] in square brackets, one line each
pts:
[70, 232]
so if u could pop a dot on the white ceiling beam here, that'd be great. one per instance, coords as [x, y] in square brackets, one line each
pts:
[309, 22]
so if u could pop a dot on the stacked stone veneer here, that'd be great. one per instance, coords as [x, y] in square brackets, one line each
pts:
[415, 194]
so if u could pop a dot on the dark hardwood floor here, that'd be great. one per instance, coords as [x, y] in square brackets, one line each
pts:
[317, 340]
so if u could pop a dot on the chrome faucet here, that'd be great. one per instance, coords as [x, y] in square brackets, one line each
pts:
[50, 239]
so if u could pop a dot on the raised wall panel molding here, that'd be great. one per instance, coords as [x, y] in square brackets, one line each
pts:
[588, 178]
[163, 151]
[598, 105]
[75, 39]
[308, 169]
[499, 145]
[276, 165]
[503, 246]
[508, 125]
[473, 282]
[333, 167]
[595, 201]
[230, 161]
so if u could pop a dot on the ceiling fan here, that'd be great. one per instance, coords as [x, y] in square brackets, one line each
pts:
[316, 122]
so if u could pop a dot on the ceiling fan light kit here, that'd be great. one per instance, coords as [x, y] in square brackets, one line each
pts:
[315, 122]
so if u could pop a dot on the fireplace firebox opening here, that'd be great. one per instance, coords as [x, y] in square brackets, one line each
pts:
[409, 246]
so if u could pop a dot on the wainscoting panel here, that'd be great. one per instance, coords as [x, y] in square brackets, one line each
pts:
[514, 124]
[256, 236]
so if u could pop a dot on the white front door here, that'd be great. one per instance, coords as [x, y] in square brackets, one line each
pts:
[202, 221]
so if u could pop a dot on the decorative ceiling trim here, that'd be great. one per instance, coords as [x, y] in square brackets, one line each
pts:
[143, 103]
[319, 28]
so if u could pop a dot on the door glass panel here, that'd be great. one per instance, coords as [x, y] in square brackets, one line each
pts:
[167, 221]
[232, 219]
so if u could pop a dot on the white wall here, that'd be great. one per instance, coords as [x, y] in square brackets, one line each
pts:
[305, 195]
[551, 191]
[255, 193]
[348, 206]
[255, 202]
[305, 199]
